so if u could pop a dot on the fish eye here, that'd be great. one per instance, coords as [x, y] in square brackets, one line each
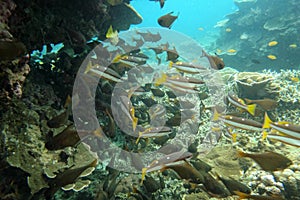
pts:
[220, 66]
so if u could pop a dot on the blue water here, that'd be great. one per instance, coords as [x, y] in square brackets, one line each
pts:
[193, 14]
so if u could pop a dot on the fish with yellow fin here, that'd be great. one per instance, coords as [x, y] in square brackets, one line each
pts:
[169, 159]
[268, 161]
[271, 57]
[239, 103]
[154, 132]
[284, 139]
[293, 46]
[286, 128]
[295, 79]
[187, 67]
[112, 35]
[128, 109]
[238, 122]
[288, 133]
[179, 83]
[102, 72]
[266, 103]
[272, 43]
[231, 51]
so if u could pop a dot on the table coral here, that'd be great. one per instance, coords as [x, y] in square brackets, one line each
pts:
[255, 85]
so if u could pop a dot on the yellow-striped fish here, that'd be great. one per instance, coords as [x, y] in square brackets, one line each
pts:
[167, 160]
[286, 128]
[234, 100]
[287, 140]
[238, 122]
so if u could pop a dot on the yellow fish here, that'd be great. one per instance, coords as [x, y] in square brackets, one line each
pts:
[272, 57]
[112, 35]
[219, 51]
[293, 46]
[295, 79]
[231, 50]
[201, 29]
[228, 30]
[272, 43]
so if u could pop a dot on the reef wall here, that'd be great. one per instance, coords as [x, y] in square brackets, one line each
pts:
[245, 35]
[28, 169]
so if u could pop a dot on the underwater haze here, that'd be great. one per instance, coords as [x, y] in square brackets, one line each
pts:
[149, 99]
[193, 14]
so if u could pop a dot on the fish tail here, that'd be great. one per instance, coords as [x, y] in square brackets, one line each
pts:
[264, 135]
[251, 109]
[68, 101]
[144, 171]
[117, 58]
[138, 139]
[204, 54]
[242, 195]
[241, 154]
[161, 79]
[216, 115]
[233, 135]
[171, 64]
[88, 67]
[267, 121]
[98, 132]
[134, 122]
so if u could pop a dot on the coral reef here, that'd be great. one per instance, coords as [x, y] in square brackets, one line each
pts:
[30, 168]
[13, 62]
[6, 9]
[24, 139]
[254, 85]
[41, 23]
[13, 74]
[252, 27]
